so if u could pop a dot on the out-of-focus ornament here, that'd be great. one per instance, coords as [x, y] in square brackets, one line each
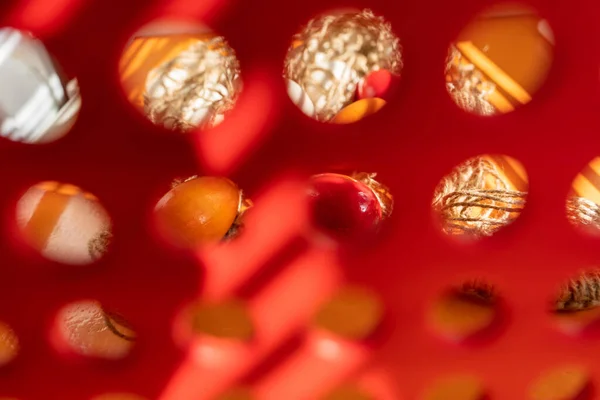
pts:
[228, 319]
[196, 88]
[9, 344]
[349, 208]
[580, 294]
[201, 210]
[300, 98]
[466, 85]
[376, 84]
[353, 313]
[333, 53]
[358, 110]
[37, 103]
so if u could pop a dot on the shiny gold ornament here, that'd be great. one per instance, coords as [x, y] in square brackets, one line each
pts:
[331, 55]
[466, 85]
[196, 88]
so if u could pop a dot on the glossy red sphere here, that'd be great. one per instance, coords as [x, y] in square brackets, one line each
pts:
[344, 208]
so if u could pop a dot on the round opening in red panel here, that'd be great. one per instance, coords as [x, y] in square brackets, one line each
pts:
[238, 393]
[181, 76]
[459, 387]
[119, 396]
[64, 223]
[583, 201]
[227, 320]
[499, 60]
[38, 101]
[480, 196]
[467, 312]
[9, 344]
[566, 382]
[575, 305]
[87, 329]
[352, 313]
[201, 210]
[348, 392]
[342, 65]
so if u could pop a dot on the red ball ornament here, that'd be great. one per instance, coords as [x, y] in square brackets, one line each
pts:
[376, 84]
[348, 208]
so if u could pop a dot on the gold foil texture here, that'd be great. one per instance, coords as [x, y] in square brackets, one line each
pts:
[333, 53]
[196, 88]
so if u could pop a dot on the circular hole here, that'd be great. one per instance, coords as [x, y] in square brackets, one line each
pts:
[38, 102]
[9, 344]
[227, 319]
[463, 387]
[352, 313]
[201, 210]
[87, 329]
[348, 392]
[349, 208]
[342, 66]
[563, 383]
[465, 312]
[237, 394]
[583, 202]
[481, 196]
[180, 76]
[64, 223]
[119, 396]
[499, 60]
[575, 305]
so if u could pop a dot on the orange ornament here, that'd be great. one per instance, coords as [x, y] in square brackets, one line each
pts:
[358, 110]
[200, 210]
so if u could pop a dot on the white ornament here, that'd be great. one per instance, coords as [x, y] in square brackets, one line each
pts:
[300, 98]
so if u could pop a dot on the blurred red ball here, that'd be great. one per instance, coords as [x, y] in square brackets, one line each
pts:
[377, 84]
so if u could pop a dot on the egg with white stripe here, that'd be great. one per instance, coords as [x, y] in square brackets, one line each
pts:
[62, 222]
[300, 98]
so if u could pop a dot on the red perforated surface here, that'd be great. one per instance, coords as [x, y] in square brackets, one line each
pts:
[117, 155]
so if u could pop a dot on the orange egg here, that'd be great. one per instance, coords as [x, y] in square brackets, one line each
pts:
[358, 110]
[198, 211]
